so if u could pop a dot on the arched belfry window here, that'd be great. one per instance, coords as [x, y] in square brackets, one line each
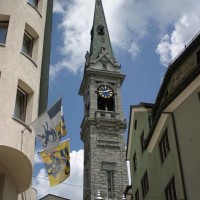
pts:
[101, 30]
[105, 98]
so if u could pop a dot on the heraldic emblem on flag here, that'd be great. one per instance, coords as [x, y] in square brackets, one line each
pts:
[50, 127]
[58, 163]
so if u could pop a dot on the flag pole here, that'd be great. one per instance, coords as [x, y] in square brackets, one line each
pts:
[27, 127]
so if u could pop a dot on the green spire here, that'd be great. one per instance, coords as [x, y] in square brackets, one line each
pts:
[99, 33]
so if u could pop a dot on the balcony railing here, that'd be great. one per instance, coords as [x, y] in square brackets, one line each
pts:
[102, 114]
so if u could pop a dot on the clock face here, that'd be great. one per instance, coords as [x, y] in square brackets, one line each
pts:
[105, 91]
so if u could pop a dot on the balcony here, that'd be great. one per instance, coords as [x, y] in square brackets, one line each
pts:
[18, 165]
[102, 114]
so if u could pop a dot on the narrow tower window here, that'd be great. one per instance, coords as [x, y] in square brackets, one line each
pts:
[105, 104]
[101, 30]
[110, 183]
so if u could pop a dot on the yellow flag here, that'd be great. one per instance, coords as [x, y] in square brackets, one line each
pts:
[58, 163]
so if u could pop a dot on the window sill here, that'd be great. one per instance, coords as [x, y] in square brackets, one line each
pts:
[22, 123]
[35, 8]
[2, 45]
[29, 58]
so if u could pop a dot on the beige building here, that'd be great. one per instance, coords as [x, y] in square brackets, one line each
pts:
[163, 138]
[25, 28]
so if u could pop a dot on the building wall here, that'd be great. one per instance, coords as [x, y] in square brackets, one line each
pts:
[188, 126]
[141, 157]
[182, 161]
[18, 69]
[31, 194]
[159, 174]
[8, 187]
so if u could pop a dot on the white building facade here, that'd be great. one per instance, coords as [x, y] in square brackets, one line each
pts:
[24, 66]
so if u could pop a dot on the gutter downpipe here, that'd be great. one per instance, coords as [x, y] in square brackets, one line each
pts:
[179, 155]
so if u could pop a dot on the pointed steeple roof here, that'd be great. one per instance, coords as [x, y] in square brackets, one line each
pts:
[99, 33]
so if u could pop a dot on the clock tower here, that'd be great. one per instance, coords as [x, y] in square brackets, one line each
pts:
[103, 125]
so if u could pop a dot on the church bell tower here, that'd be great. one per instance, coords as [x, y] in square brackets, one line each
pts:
[103, 125]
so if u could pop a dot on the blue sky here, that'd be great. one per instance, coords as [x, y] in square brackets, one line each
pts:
[145, 35]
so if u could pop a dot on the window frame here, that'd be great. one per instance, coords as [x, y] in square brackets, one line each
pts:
[150, 119]
[164, 147]
[145, 184]
[5, 24]
[198, 57]
[137, 195]
[106, 104]
[135, 162]
[23, 107]
[28, 52]
[135, 124]
[199, 96]
[110, 183]
[170, 190]
[142, 140]
[35, 4]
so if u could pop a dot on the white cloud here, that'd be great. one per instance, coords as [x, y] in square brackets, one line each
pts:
[172, 44]
[134, 50]
[59, 6]
[129, 22]
[71, 188]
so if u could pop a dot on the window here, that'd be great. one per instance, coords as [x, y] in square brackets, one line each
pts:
[135, 124]
[100, 30]
[198, 57]
[142, 140]
[137, 195]
[199, 95]
[20, 104]
[164, 146]
[135, 162]
[105, 104]
[110, 183]
[2, 180]
[27, 46]
[3, 31]
[33, 2]
[170, 190]
[109, 167]
[145, 184]
[150, 120]
[98, 2]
